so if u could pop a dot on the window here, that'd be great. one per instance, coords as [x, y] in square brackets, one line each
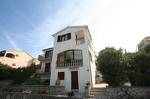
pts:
[61, 57]
[10, 55]
[13, 64]
[61, 75]
[48, 54]
[79, 37]
[64, 37]
[2, 53]
[68, 56]
[47, 67]
[77, 55]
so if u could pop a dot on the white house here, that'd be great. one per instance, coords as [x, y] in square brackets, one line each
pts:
[16, 59]
[73, 58]
[144, 44]
[46, 58]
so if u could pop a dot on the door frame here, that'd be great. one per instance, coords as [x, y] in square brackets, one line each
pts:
[74, 80]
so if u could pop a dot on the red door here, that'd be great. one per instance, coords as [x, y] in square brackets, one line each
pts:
[74, 80]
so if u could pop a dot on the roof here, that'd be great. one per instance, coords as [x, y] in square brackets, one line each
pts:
[51, 48]
[80, 26]
[147, 38]
[18, 51]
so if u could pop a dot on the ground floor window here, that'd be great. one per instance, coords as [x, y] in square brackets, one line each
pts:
[61, 75]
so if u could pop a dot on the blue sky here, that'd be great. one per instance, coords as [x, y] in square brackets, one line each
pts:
[28, 24]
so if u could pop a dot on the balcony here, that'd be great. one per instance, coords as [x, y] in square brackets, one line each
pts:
[71, 64]
[80, 41]
[43, 58]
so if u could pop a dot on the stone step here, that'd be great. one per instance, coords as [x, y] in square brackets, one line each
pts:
[98, 89]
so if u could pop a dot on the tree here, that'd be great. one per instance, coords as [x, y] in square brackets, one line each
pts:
[139, 69]
[18, 75]
[111, 64]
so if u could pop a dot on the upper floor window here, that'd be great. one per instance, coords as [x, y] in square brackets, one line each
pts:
[48, 54]
[68, 56]
[79, 37]
[64, 37]
[10, 55]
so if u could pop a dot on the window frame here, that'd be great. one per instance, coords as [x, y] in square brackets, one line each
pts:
[65, 37]
[61, 75]
[72, 57]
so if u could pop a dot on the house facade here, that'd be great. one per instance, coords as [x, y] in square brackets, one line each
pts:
[16, 59]
[46, 59]
[144, 44]
[73, 58]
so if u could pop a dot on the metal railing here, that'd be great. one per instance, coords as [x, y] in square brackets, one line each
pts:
[71, 64]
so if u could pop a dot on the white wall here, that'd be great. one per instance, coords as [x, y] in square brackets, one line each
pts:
[22, 60]
[84, 72]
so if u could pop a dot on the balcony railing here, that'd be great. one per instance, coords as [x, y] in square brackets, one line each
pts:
[43, 58]
[71, 64]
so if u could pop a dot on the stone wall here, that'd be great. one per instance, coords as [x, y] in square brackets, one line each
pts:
[34, 89]
[121, 93]
[29, 96]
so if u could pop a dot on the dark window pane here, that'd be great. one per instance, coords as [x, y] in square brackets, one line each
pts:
[61, 75]
[47, 54]
[10, 55]
[58, 39]
[47, 67]
[69, 36]
[69, 56]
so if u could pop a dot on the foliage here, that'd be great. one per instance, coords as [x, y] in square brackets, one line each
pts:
[123, 93]
[70, 94]
[139, 69]
[18, 75]
[111, 65]
[118, 67]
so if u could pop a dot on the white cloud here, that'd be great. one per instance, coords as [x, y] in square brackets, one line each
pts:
[11, 41]
[118, 23]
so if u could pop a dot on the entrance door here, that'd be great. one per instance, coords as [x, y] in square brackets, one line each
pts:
[74, 79]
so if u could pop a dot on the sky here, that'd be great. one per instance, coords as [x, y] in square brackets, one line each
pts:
[29, 24]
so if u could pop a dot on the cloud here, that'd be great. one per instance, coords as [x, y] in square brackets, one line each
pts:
[115, 23]
[11, 41]
[73, 13]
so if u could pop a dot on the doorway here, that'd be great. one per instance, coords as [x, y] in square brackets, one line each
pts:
[74, 80]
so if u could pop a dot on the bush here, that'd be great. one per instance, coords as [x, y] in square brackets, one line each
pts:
[70, 94]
